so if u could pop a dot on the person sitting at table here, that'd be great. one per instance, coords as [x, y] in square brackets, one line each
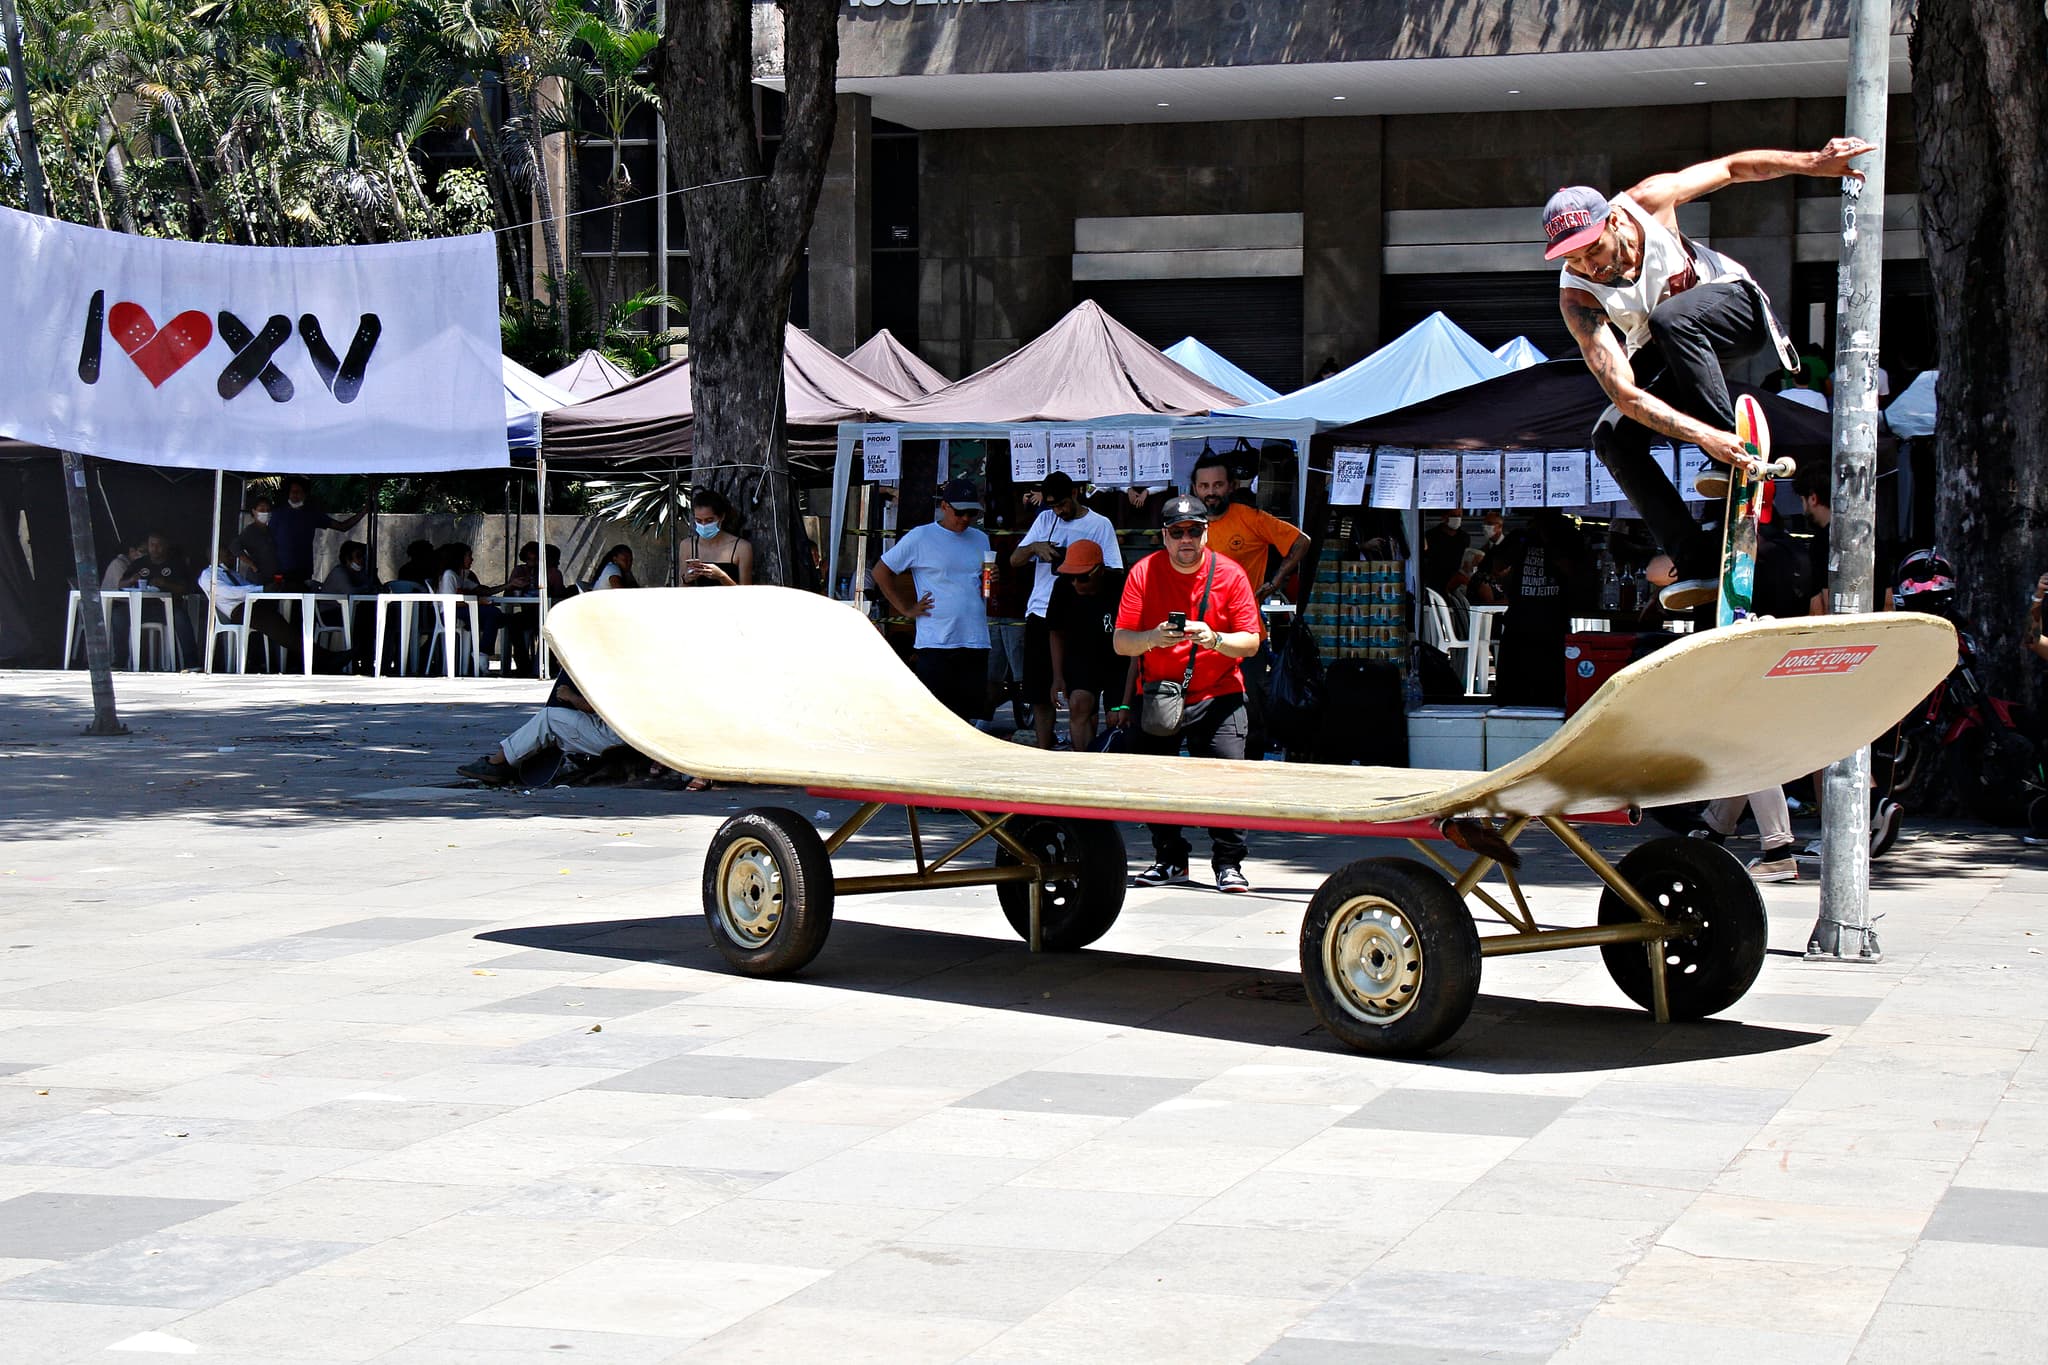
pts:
[418, 572]
[351, 576]
[230, 588]
[116, 576]
[615, 570]
[159, 569]
[456, 580]
[717, 555]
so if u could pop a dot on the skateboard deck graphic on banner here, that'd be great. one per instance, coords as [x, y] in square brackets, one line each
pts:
[1749, 496]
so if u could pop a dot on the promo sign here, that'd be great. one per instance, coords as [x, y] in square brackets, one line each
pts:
[321, 360]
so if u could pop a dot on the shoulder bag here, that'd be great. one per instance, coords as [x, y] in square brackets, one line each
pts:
[1164, 699]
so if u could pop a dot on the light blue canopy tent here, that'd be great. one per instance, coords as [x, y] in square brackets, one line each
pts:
[527, 396]
[1519, 354]
[1219, 370]
[1912, 412]
[1432, 357]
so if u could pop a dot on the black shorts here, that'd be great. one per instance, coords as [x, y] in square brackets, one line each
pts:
[1098, 669]
[957, 677]
[1037, 661]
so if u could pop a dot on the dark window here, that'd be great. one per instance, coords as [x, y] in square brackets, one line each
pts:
[636, 218]
[895, 294]
[1905, 334]
[894, 218]
[1493, 308]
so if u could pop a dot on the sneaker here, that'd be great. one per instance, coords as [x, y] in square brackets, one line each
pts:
[1712, 482]
[1688, 593]
[483, 770]
[1812, 849]
[1884, 827]
[1231, 880]
[1708, 833]
[1159, 874]
[1775, 865]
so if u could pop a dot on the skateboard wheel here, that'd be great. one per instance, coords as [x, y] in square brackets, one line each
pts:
[1698, 884]
[768, 891]
[1079, 907]
[1389, 957]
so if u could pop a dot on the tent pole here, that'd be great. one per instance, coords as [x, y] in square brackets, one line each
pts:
[213, 553]
[675, 578]
[540, 484]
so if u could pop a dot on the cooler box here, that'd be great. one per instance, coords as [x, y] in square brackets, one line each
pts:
[1591, 658]
[1512, 731]
[1447, 737]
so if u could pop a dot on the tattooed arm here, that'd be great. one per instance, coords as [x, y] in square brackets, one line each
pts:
[1587, 321]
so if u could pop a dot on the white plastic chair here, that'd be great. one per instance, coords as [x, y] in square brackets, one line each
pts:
[1439, 630]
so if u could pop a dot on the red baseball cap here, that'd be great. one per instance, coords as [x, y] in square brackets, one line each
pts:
[1575, 217]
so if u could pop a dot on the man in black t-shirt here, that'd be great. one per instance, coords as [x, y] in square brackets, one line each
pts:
[1081, 623]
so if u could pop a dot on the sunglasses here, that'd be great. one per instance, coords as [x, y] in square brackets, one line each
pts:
[1192, 531]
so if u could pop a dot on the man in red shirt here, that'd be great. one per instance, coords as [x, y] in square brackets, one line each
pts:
[1217, 633]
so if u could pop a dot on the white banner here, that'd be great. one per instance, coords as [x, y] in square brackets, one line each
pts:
[1604, 488]
[1525, 478]
[1564, 478]
[1347, 478]
[1436, 481]
[881, 454]
[1070, 454]
[1028, 460]
[315, 360]
[1152, 455]
[1481, 473]
[1393, 479]
[1667, 460]
[1691, 461]
[1109, 458]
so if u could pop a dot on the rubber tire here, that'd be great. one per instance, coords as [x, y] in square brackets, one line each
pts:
[1074, 911]
[798, 858]
[1441, 931]
[1701, 882]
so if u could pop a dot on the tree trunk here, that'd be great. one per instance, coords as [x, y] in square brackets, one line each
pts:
[746, 241]
[1980, 107]
[544, 196]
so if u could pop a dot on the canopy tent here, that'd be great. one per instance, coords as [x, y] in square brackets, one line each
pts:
[895, 366]
[589, 375]
[1088, 369]
[1218, 370]
[527, 396]
[1519, 354]
[1552, 406]
[654, 416]
[1432, 357]
[1912, 412]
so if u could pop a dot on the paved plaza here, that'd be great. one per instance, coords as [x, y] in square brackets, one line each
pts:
[308, 1053]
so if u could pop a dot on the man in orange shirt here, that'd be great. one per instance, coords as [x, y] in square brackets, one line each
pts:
[1244, 534]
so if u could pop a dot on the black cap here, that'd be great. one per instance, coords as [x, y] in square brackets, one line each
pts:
[1183, 508]
[1057, 485]
[961, 494]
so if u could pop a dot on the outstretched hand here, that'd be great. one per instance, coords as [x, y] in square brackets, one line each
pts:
[1833, 159]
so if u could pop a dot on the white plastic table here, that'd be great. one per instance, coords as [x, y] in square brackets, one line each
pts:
[137, 598]
[447, 604]
[1479, 654]
[308, 605]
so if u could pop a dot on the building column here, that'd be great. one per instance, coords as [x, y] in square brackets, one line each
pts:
[1342, 230]
[1757, 223]
[842, 308]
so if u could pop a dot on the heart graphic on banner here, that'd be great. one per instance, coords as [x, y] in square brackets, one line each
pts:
[159, 352]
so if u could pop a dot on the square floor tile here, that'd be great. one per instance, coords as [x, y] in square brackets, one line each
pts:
[738, 1078]
[2006, 1217]
[584, 1002]
[1075, 1092]
[1454, 1312]
[1483, 1113]
[55, 1226]
[175, 1271]
[394, 928]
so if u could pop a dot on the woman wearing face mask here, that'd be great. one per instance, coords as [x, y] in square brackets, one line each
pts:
[255, 538]
[717, 555]
[351, 574]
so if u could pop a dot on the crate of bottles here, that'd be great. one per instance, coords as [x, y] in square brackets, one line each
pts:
[1358, 609]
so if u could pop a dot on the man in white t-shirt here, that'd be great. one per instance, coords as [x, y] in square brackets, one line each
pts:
[1065, 520]
[934, 576]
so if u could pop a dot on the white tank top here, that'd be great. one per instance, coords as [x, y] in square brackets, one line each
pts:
[1671, 265]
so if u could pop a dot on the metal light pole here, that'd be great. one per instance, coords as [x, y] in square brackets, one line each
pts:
[1843, 933]
[92, 612]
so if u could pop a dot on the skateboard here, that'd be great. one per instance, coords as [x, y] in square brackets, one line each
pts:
[1748, 505]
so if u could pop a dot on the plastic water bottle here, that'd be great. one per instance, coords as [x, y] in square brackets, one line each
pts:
[1610, 580]
[1412, 689]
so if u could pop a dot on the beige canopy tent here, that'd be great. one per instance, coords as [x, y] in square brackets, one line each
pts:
[884, 358]
[1088, 368]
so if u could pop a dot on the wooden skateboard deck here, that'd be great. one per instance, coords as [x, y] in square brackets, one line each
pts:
[1748, 500]
[812, 696]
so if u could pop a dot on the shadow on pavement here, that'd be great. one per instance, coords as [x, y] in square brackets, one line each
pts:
[1175, 995]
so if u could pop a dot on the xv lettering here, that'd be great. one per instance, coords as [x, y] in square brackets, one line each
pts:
[343, 379]
[252, 356]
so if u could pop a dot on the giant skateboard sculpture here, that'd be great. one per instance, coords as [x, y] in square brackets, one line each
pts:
[1389, 955]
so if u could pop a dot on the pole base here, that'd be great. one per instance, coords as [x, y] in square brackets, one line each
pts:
[1832, 942]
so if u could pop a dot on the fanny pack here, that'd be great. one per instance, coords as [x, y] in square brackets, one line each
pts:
[1162, 701]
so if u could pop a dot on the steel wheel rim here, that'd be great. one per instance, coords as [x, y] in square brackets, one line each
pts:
[749, 893]
[1372, 959]
[1683, 905]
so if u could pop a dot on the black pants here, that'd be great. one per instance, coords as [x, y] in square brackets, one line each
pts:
[1692, 336]
[1215, 729]
[957, 677]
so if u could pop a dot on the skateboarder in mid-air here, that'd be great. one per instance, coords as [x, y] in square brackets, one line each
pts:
[1682, 311]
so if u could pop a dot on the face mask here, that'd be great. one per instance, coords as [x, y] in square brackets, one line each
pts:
[355, 566]
[708, 530]
[263, 518]
[298, 502]
[1454, 522]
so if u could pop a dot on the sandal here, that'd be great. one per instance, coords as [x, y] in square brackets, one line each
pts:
[698, 784]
